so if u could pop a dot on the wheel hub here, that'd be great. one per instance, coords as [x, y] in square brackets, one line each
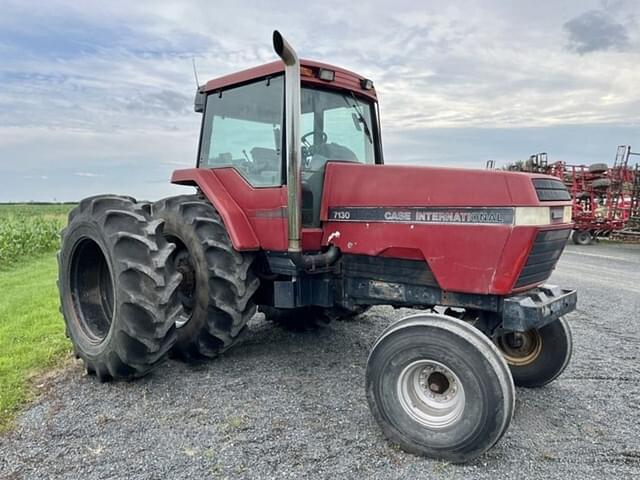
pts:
[520, 348]
[187, 289]
[431, 393]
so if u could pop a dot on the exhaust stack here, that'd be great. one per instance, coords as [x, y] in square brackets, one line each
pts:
[312, 262]
[292, 136]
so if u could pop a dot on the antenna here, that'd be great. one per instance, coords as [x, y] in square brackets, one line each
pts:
[195, 71]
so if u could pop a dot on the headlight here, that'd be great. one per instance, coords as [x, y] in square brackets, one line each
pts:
[542, 215]
[532, 216]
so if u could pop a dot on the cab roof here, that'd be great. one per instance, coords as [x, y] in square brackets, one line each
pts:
[344, 79]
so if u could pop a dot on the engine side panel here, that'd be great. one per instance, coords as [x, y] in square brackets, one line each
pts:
[459, 221]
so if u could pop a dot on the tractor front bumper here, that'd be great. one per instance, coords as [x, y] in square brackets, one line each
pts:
[536, 308]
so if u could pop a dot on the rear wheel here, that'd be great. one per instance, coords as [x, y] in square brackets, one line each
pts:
[116, 290]
[537, 357]
[582, 237]
[216, 293]
[438, 387]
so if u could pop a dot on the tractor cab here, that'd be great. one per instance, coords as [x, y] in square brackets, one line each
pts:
[243, 120]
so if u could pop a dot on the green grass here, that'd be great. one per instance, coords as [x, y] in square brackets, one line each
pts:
[31, 330]
[29, 229]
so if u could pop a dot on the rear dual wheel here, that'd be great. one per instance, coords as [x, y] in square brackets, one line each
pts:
[216, 293]
[438, 387]
[116, 290]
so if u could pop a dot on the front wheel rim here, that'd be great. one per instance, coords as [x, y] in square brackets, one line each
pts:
[431, 394]
[520, 348]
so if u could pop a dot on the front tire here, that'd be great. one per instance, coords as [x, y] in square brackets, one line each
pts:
[438, 387]
[115, 289]
[537, 357]
[216, 294]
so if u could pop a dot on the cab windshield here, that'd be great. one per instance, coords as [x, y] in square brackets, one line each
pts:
[243, 129]
[335, 126]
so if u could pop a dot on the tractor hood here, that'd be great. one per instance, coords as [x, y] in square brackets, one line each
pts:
[348, 184]
[474, 228]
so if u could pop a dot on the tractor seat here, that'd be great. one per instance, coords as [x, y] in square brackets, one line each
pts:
[313, 179]
[330, 151]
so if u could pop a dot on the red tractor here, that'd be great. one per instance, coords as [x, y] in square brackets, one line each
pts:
[296, 214]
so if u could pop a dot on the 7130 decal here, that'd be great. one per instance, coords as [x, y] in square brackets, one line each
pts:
[432, 215]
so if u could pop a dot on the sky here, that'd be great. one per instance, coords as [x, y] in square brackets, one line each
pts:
[97, 97]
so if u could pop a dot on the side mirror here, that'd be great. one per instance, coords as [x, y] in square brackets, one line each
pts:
[198, 101]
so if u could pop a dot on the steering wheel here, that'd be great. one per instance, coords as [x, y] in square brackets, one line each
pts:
[306, 143]
[307, 149]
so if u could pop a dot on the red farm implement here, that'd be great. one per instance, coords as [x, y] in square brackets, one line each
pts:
[606, 200]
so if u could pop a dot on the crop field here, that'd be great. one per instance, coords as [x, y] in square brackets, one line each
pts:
[31, 328]
[28, 230]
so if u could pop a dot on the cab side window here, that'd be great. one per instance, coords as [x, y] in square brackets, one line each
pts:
[242, 129]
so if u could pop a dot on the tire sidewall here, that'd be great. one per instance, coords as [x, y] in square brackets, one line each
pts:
[83, 228]
[482, 422]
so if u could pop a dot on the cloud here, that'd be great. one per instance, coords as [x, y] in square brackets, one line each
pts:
[596, 30]
[161, 102]
[109, 87]
[88, 174]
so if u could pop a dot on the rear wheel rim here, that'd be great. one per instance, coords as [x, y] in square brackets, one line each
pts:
[431, 394]
[183, 263]
[92, 291]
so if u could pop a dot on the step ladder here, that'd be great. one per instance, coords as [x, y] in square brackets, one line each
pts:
[634, 213]
[617, 177]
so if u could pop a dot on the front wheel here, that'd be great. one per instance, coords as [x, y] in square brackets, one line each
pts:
[537, 357]
[438, 387]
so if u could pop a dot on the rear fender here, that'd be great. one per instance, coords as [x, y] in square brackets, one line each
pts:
[242, 235]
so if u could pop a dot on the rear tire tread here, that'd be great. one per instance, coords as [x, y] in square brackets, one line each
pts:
[119, 220]
[230, 304]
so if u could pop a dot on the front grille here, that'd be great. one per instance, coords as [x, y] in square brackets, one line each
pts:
[550, 190]
[544, 254]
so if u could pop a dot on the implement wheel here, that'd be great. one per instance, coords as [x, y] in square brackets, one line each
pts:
[582, 237]
[438, 387]
[537, 357]
[598, 167]
[216, 293]
[116, 290]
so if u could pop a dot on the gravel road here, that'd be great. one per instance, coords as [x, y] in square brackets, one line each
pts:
[292, 405]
